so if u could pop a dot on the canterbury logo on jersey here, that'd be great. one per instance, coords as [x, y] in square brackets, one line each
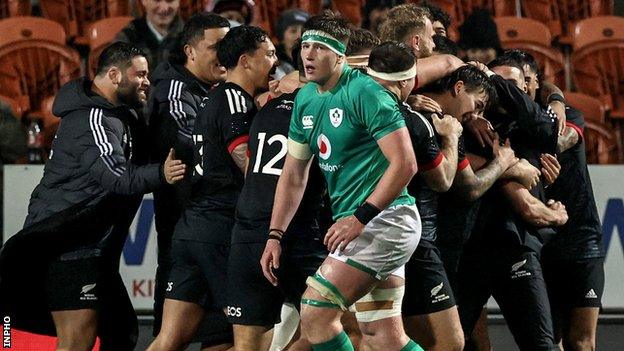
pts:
[308, 122]
[236, 101]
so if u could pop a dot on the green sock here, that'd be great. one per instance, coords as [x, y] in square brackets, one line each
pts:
[340, 342]
[412, 346]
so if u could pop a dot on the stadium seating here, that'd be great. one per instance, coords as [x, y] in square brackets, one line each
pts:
[34, 60]
[100, 34]
[11, 8]
[76, 15]
[593, 109]
[535, 38]
[598, 60]
[561, 15]
[600, 144]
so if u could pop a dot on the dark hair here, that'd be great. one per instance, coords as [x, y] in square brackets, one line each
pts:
[479, 31]
[391, 57]
[376, 5]
[524, 58]
[437, 14]
[238, 41]
[331, 23]
[193, 32]
[402, 21]
[361, 39]
[118, 54]
[473, 78]
[295, 53]
[444, 45]
[506, 60]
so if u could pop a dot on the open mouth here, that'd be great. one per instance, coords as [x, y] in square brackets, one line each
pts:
[309, 69]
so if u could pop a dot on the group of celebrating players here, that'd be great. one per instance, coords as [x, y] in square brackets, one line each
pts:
[386, 189]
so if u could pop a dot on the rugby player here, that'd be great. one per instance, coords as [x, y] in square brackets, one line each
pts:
[179, 86]
[202, 236]
[354, 127]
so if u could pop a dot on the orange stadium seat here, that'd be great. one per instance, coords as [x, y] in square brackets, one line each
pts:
[535, 38]
[561, 15]
[593, 109]
[100, 34]
[600, 144]
[598, 60]
[76, 15]
[34, 60]
[11, 8]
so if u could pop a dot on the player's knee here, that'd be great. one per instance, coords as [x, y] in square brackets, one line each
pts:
[76, 343]
[451, 343]
[170, 342]
[583, 343]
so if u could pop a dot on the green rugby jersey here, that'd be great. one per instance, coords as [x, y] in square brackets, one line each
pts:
[341, 127]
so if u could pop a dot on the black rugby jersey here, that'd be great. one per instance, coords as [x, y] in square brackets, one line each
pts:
[581, 236]
[222, 124]
[426, 141]
[268, 138]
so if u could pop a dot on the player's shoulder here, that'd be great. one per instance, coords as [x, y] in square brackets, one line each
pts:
[230, 98]
[418, 122]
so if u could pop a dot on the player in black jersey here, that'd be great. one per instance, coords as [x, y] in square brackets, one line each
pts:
[254, 304]
[178, 88]
[573, 261]
[429, 307]
[202, 236]
[501, 258]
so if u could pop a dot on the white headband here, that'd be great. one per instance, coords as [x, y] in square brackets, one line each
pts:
[393, 77]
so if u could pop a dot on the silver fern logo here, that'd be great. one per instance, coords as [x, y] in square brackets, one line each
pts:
[436, 289]
[87, 288]
[517, 265]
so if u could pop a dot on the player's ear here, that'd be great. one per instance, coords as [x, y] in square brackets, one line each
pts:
[457, 88]
[243, 61]
[114, 74]
[189, 52]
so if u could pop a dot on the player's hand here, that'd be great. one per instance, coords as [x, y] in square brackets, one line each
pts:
[173, 169]
[560, 211]
[270, 260]
[550, 168]
[447, 126]
[342, 233]
[528, 175]
[482, 67]
[482, 129]
[423, 103]
[503, 153]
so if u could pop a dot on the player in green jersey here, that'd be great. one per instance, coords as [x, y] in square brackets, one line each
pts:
[355, 129]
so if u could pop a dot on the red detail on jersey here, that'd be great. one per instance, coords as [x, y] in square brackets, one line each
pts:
[433, 164]
[463, 164]
[240, 140]
[323, 147]
[575, 127]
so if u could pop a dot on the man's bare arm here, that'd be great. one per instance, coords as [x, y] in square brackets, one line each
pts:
[397, 148]
[289, 192]
[531, 209]
[239, 155]
[435, 67]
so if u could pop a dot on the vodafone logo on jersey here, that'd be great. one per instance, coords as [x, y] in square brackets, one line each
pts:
[324, 147]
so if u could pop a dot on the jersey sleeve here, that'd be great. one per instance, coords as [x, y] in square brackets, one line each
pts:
[424, 141]
[235, 120]
[378, 112]
[298, 143]
[575, 120]
[462, 160]
[102, 154]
